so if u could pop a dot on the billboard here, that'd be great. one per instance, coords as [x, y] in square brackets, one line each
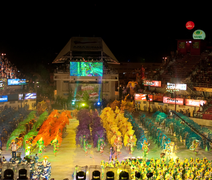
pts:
[199, 34]
[169, 100]
[158, 98]
[152, 83]
[30, 96]
[16, 82]
[86, 68]
[194, 102]
[142, 97]
[176, 86]
[3, 98]
[84, 91]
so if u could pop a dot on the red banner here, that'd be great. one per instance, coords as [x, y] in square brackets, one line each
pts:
[169, 100]
[194, 102]
[142, 97]
[158, 98]
[152, 83]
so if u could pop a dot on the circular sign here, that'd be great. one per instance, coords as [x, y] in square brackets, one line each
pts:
[199, 34]
[190, 25]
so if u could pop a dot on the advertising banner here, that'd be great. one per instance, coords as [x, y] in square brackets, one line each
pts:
[84, 92]
[158, 98]
[142, 97]
[194, 102]
[152, 83]
[3, 98]
[169, 100]
[30, 96]
[176, 86]
[16, 82]
[199, 34]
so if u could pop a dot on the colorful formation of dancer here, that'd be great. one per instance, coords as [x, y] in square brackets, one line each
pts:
[142, 142]
[89, 122]
[159, 169]
[117, 126]
[157, 135]
[51, 131]
[182, 131]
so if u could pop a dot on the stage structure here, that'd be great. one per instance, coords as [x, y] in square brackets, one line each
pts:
[83, 70]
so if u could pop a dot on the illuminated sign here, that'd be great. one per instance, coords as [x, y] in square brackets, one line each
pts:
[194, 102]
[176, 86]
[86, 69]
[4, 98]
[142, 97]
[16, 82]
[190, 25]
[199, 34]
[30, 96]
[152, 83]
[179, 101]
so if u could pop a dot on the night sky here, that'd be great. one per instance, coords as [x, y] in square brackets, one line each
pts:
[37, 32]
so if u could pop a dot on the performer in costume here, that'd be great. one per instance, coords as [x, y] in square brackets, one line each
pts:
[40, 144]
[145, 148]
[194, 146]
[55, 144]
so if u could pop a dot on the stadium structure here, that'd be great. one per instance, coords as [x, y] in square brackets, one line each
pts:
[83, 70]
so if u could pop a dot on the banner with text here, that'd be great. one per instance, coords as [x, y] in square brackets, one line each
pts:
[152, 83]
[142, 97]
[194, 102]
[169, 100]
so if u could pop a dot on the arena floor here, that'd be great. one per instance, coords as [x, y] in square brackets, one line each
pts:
[70, 155]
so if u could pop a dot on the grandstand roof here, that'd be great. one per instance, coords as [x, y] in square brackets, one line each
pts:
[87, 48]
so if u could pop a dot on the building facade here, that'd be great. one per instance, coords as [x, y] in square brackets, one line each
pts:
[82, 70]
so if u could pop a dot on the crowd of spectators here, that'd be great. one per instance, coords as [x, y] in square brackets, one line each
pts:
[9, 119]
[7, 69]
[202, 73]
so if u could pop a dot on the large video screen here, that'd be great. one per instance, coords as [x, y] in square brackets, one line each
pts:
[86, 69]
[16, 82]
[30, 96]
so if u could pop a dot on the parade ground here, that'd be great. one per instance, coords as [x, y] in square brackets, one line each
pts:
[70, 155]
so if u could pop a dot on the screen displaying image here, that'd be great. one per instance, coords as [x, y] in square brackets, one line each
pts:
[86, 69]
[16, 82]
[30, 96]
[4, 98]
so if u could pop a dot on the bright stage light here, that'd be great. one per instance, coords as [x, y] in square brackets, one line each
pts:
[98, 103]
[83, 104]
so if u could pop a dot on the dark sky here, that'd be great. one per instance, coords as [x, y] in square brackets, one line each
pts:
[37, 32]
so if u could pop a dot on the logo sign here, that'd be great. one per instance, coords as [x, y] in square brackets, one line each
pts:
[152, 83]
[179, 101]
[190, 25]
[194, 102]
[16, 82]
[142, 97]
[4, 98]
[176, 86]
[30, 96]
[199, 34]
